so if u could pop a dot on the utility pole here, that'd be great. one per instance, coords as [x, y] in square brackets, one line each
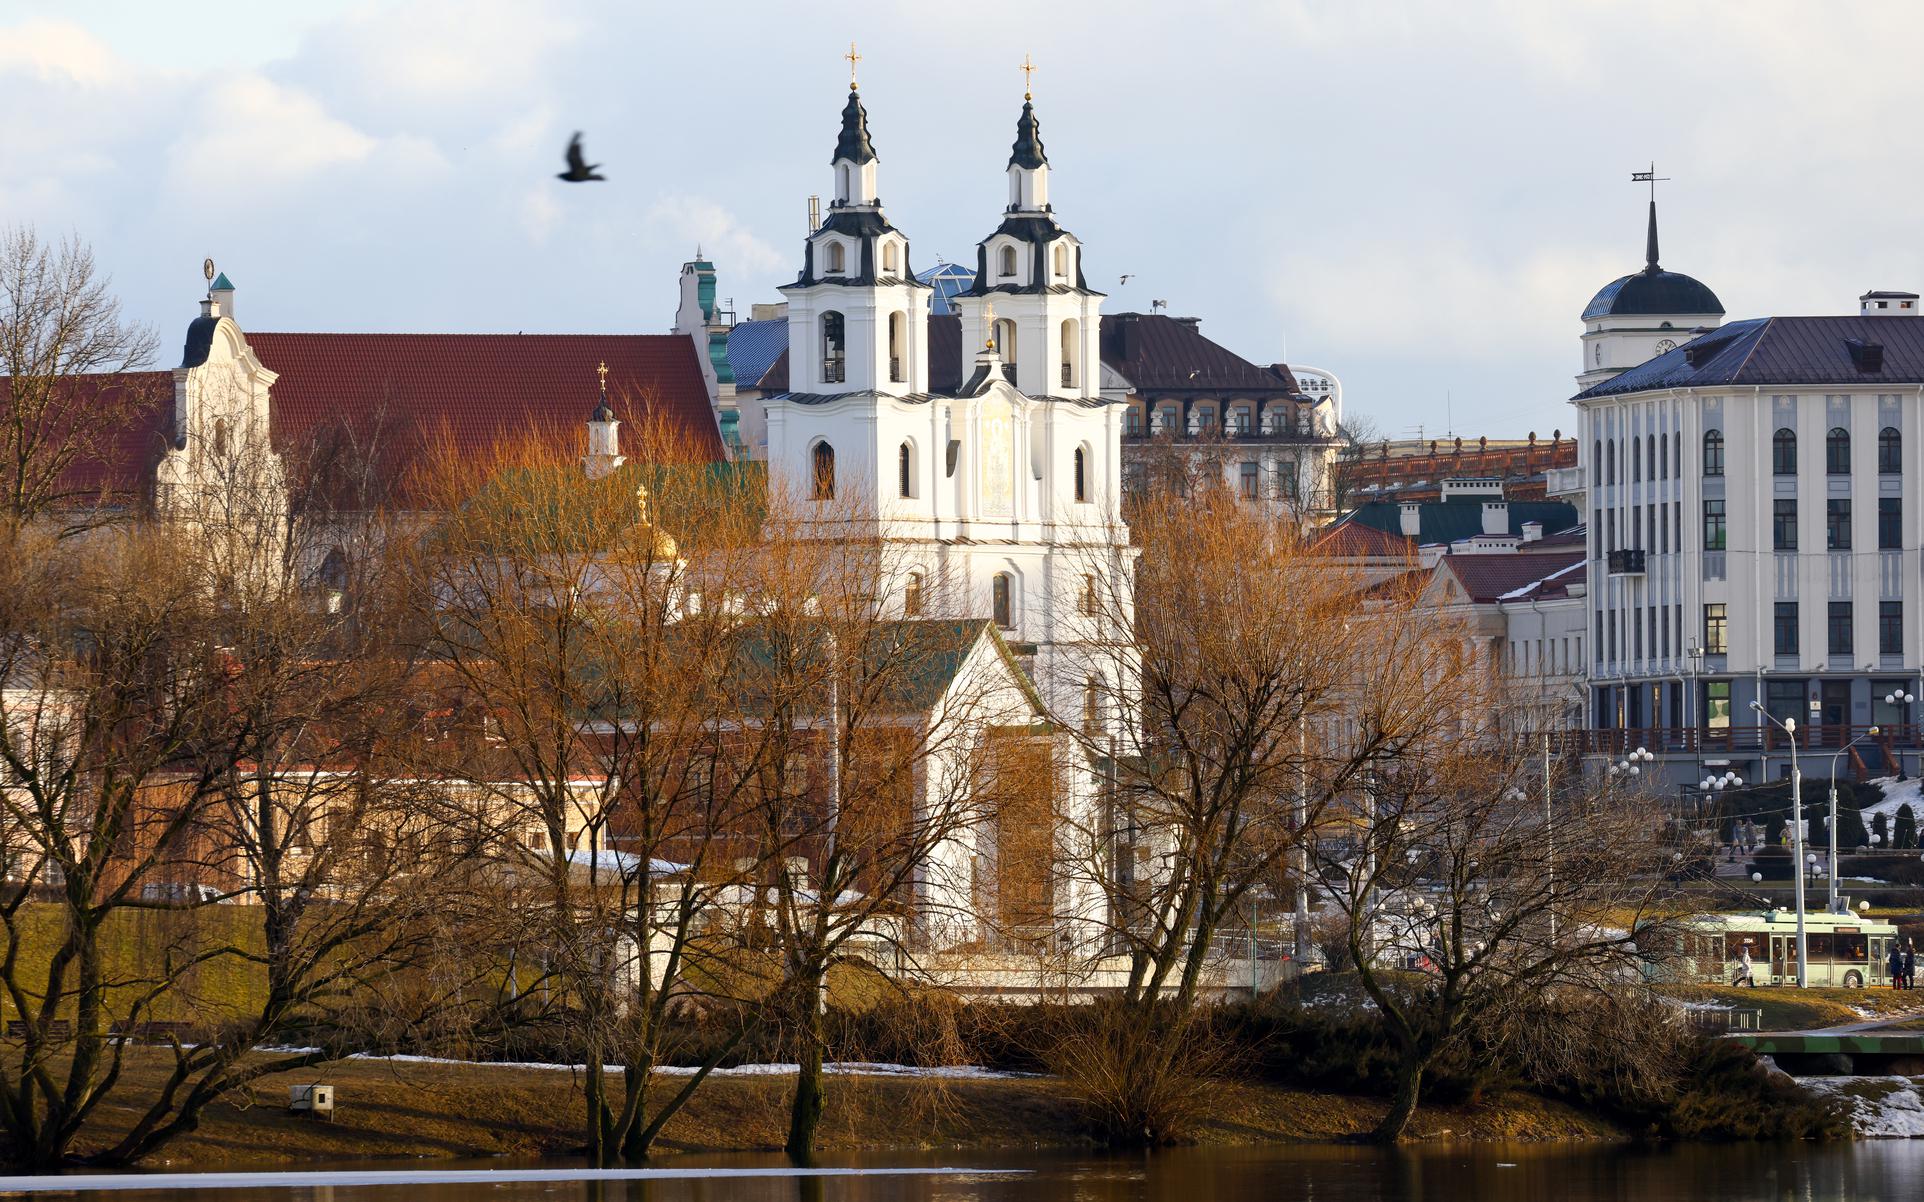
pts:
[1549, 836]
[1301, 815]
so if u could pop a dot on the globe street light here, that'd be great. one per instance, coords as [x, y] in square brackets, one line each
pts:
[1789, 727]
[1831, 906]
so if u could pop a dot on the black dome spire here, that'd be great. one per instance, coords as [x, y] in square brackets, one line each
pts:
[853, 144]
[1653, 290]
[1028, 151]
[1650, 243]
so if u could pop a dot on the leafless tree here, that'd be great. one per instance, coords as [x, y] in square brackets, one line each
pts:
[73, 399]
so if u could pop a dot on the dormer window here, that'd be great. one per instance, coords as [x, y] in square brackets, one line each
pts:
[1007, 263]
[1062, 260]
[888, 256]
[837, 259]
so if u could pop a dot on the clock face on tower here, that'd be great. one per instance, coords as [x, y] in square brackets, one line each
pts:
[1664, 345]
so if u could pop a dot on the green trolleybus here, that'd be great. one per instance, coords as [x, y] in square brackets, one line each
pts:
[1848, 950]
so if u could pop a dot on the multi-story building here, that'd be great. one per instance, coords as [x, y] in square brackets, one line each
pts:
[1755, 522]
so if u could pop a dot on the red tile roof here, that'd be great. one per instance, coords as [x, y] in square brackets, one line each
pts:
[480, 388]
[1489, 578]
[1355, 540]
[125, 464]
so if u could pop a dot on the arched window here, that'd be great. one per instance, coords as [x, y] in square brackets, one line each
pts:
[1713, 452]
[837, 259]
[1783, 452]
[888, 256]
[1239, 421]
[905, 468]
[834, 349]
[898, 346]
[1636, 460]
[822, 471]
[1007, 260]
[1596, 461]
[1650, 455]
[220, 436]
[912, 596]
[1610, 462]
[1062, 259]
[1005, 342]
[1837, 452]
[1003, 603]
[1890, 451]
[845, 182]
[1082, 474]
[1071, 363]
[1092, 707]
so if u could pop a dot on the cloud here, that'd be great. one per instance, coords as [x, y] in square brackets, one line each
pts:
[692, 221]
[55, 52]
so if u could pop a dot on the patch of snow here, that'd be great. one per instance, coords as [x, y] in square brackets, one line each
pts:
[1897, 793]
[1881, 1107]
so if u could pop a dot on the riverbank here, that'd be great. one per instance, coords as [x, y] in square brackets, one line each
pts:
[396, 1109]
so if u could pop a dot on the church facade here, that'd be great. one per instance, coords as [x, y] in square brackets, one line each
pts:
[1001, 498]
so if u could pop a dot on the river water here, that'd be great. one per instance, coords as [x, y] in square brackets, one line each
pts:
[1885, 1170]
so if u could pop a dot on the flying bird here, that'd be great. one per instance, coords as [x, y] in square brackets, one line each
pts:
[579, 170]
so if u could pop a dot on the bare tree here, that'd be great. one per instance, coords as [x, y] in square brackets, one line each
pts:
[72, 399]
[1478, 909]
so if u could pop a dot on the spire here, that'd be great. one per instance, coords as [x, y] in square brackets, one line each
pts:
[604, 412]
[1027, 151]
[853, 144]
[1650, 242]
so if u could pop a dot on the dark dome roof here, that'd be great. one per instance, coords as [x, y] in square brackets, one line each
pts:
[1653, 290]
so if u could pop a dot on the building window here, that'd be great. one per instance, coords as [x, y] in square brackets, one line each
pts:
[1091, 603]
[912, 596]
[1716, 628]
[1610, 462]
[1082, 474]
[837, 259]
[1636, 460]
[1785, 633]
[1713, 452]
[898, 346]
[1783, 524]
[1663, 455]
[1092, 707]
[1717, 704]
[1840, 628]
[1248, 482]
[1783, 452]
[1239, 421]
[1890, 628]
[1890, 523]
[905, 469]
[1837, 452]
[1837, 524]
[1062, 259]
[1713, 523]
[1071, 359]
[1596, 461]
[1890, 451]
[1001, 601]
[834, 349]
[1007, 260]
[1650, 453]
[888, 256]
[822, 473]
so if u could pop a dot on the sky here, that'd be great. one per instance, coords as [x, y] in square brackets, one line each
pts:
[1420, 198]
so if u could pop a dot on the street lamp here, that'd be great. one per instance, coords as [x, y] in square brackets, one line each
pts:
[1631, 764]
[1789, 727]
[1831, 906]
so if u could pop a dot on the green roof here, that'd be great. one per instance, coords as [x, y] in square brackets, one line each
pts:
[221, 282]
[1448, 521]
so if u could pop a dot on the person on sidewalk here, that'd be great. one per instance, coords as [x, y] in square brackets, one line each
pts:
[1910, 965]
[1743, 968]
[1895, 963]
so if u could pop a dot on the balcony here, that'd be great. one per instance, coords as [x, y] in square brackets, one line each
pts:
[1231, 435]
[1747, 736]
[1626, 562]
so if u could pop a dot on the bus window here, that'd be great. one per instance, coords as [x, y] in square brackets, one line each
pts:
[1850, 948]
[1819, 947]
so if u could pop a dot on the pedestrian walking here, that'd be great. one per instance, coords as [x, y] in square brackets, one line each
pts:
[1895, 965]
[1910, 965]
[1743, 967]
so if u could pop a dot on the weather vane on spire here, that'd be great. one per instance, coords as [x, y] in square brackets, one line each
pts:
[852, 58]
[1028, 78]
[1649, 177]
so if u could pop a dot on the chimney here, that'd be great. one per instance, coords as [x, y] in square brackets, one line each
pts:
[1878, 303]
[221, 292]
[1411, 516]
[1496, 517]
[1532, 531]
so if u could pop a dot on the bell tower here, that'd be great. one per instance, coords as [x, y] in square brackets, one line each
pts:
[857, 318]
[1030, 298]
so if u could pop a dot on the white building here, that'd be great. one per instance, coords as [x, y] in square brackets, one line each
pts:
[1754, 524]
[1002, 498]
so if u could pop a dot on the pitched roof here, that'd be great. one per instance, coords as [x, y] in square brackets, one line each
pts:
[1357, 540]
[1784, 350]
[133, 444]
[480, 388]
[753, 347]
[1491, 578]
[1157, 352]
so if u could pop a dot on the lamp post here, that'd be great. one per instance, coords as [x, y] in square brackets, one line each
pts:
[1789, 727]
[1901, 697]
[1710, 786]
[1831, 864]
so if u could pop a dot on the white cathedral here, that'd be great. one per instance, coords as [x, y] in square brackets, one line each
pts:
[1004, 498]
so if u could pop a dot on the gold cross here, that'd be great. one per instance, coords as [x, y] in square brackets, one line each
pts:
[852, 58]
[1028, 74]
[602, 371]
[988, 324]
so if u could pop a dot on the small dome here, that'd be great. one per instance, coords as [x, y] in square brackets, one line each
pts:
[1653, 291]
